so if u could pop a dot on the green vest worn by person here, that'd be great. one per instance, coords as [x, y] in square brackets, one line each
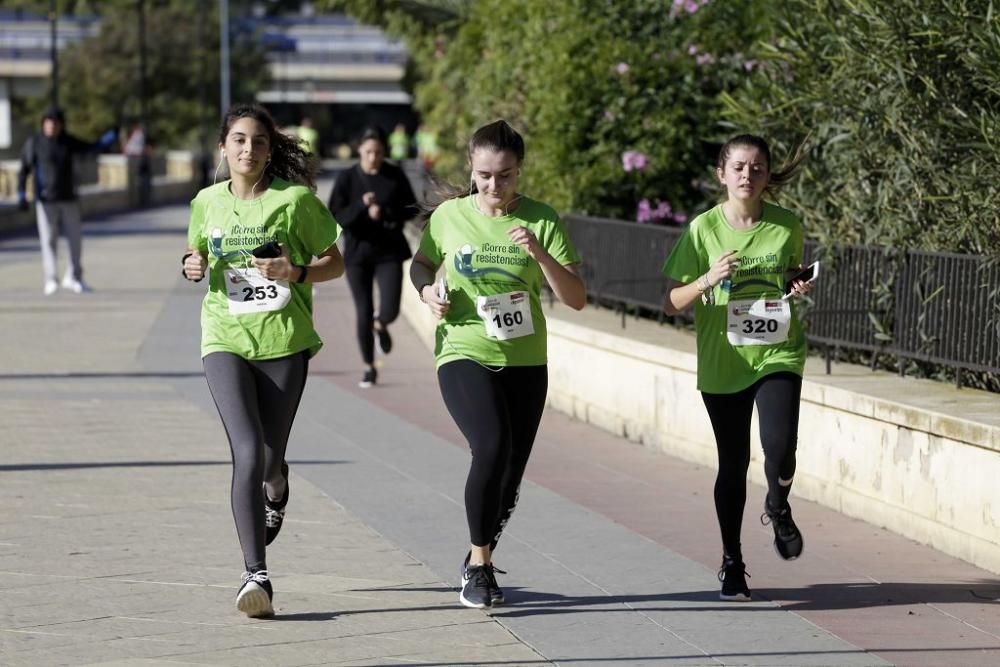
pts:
[309, 138]
[255, 318]
[495, 316]
[399, 145]
[749, 331]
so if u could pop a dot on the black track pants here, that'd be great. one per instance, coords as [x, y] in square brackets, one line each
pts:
[361, 278]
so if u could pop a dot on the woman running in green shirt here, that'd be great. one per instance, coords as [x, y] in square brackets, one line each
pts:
[265, 236]
[497, 247]
[731, 264]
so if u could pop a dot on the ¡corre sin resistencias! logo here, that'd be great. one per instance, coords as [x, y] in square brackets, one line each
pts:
[465, 255]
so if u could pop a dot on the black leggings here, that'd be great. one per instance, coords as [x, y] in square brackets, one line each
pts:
[498, 413]
[361, 276]
[257, 401]
[777, 398]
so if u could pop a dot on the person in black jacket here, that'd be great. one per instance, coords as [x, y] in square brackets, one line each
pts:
[372, 200]
[50, 156]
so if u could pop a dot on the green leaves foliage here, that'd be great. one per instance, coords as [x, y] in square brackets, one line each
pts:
[903, 102]
[900, 101]
[585, 82]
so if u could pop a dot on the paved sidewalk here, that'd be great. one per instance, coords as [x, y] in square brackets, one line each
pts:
[117, 546]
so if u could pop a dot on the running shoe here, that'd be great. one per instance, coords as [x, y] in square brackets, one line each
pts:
[255, 595]
[476, 587]
[74, 285]
[733, 575]
[274, 512]
[496, 593]
[787, 538]
[369, 379]
[50, 287]
[384, 340]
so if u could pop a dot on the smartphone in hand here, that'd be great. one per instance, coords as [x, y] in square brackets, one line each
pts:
[268, 250]
[811, 272]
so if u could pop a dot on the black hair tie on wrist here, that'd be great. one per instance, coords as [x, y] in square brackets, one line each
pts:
[302, 276]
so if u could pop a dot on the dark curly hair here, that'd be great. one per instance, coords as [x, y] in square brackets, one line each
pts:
[288, 160]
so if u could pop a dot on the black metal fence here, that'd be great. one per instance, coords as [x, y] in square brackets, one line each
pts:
[942, 308]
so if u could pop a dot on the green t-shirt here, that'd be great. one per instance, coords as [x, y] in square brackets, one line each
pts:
[227, 229]
[481, 261]
[766, 251]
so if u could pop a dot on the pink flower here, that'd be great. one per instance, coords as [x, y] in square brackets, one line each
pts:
[609, 116]
[705, 59]
[662, 213]
[749, 65]
[622, 68]
[634, 160]
[690, 6]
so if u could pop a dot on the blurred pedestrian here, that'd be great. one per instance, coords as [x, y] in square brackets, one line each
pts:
[309, 136]
[498, 247]
[49, 156]
[731, 264]
[399, 143]
[426, 140]
[265, 236]
[373, 200]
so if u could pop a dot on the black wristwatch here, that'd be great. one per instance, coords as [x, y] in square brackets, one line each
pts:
[302, 276]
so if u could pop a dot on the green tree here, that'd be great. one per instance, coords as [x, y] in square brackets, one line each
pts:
[903, 103]
[585, 82]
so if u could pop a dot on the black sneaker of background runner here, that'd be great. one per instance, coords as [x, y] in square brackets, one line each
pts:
[255, 595]
[369, 378]
[476, 587]
[384, 340]
[274, 512]
[733, 575]
[787, 538]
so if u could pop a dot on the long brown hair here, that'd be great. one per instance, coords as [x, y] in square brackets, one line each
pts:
[776, 177]
[288, 160]
[495, 137]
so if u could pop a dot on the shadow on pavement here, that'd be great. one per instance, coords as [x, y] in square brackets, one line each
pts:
[28, 467]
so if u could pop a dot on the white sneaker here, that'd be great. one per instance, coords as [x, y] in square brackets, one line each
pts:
[50, 287]
[77, 286]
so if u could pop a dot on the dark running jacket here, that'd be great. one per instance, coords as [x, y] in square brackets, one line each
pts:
[51, 160]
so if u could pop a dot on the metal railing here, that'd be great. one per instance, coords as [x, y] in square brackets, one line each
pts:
[941, 308]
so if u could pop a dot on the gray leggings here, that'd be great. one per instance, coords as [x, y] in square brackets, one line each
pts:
[257, 401]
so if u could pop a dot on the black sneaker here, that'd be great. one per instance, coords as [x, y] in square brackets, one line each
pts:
[496, 593]
[733, 574]
[787, 538]
[476, 587]
[274, 512]
[255, 595]
[369, 378]
[384, 340]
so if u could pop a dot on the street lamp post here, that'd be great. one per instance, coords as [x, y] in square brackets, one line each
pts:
[145, 168]
[224, 55]
[54, 52]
